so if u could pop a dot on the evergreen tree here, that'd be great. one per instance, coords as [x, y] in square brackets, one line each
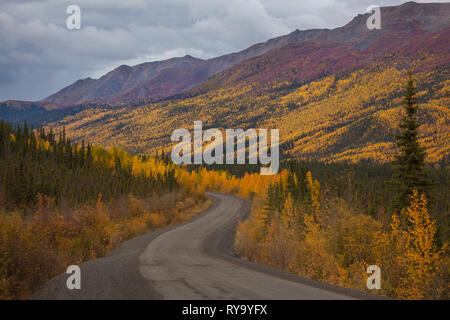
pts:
[409, 173]
[33, 164]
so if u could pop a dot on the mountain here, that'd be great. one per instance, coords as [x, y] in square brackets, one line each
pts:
[150, 81]
[406, 32]
[175, 80]
[334, 94]
[153, 80]
[109, 87]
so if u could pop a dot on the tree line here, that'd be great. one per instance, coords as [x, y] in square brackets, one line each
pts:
[39, 161]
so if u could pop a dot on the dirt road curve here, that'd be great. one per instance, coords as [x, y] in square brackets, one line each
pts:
[189, 261]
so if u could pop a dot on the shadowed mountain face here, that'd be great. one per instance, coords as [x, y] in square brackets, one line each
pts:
[147, 81]
[175, 80]
[119, 81]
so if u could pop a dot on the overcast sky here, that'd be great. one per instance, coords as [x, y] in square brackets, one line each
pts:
[39, 55]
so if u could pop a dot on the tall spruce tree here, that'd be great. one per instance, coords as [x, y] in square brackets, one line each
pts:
[409, 163]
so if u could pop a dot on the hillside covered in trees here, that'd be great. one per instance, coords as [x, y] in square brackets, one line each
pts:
[335, 95]
[349, 116]
[331, 225]
[297, 227]
[63, 203]
[323, 221]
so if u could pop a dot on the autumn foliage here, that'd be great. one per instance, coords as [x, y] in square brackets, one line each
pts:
[296, 224]
[323, 239]
[301, 227]
[34, 248]
[62, 204]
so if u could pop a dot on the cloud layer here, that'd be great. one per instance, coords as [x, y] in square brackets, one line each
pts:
[39, 56]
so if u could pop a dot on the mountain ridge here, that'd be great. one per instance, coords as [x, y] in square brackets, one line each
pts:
[155, 79]
[150, 81]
